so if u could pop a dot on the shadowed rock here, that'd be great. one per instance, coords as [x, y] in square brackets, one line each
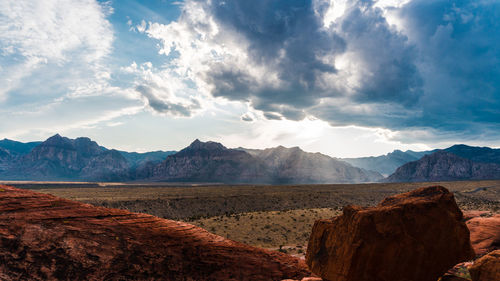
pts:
[417, 235]
[43, 237]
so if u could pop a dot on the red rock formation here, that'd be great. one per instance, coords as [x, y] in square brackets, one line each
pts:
[417, 235]
[484, 230]
[486, 268]
[43, 237]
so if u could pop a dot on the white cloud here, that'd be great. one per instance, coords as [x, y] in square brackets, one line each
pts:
[201, 47]
[163, 91]
[55, 34]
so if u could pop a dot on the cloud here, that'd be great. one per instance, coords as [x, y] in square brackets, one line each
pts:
[392, 64]
[459, 46]
[59, 38]
[247, 117]
[163, 91]
[164, 106]
[272, 116]
[56, 73]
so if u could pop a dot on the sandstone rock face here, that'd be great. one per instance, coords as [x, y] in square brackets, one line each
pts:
[43, 237]
[484, 230]
[417, 235]
[486, 268]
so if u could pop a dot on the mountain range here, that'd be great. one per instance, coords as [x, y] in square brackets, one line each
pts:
[61, 158]
[213, 162]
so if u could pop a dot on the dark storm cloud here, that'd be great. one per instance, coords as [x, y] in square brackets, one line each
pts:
[390, 73]
[163, 106]
[284, 35]
[272, 116]
[459, 42]
[289, 36]
[439, 68]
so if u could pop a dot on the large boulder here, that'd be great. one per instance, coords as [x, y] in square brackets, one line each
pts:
[486, 268]
[417, 235]
[484, 230]
[43, 237]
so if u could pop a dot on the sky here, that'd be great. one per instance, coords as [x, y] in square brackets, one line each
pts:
[346, 78]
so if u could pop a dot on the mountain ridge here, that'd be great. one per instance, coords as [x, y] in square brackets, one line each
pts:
[443, 165]
[61, 158]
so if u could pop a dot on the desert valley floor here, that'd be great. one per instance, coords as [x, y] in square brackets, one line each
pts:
[276, 217]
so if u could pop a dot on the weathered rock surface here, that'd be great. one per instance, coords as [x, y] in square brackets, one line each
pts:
[486, 268]
[417, 235]
[43, 237]
[484, 230]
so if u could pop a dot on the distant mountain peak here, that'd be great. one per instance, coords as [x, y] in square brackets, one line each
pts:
[57, 140]
[283, 148]
[209, 145]
[56, 136]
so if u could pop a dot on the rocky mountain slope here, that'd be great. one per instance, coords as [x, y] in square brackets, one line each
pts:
[442, 166]
[386, 164]
[476, 154]
[17, 148]
[5, 159]
[60, 158]
[136, 159]
[207, 162]
[293, 165]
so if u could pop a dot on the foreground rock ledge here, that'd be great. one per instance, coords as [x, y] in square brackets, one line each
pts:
[417, 235]
[43, 237]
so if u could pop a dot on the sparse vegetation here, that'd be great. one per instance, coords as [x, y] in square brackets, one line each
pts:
[277, 230]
